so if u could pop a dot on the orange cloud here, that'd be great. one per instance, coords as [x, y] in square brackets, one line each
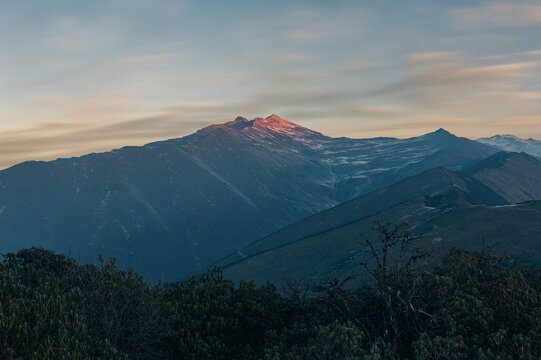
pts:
[534, 120]
[48, 141]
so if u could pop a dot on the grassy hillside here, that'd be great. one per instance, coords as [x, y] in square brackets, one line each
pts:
[515, 230]
[449, 208]
[430, 182]
[516, 177]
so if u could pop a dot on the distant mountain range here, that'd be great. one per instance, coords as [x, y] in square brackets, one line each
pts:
[450, 208]
[514, 144]
[171, 208]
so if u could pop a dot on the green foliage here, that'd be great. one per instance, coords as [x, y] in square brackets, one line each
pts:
[122, 308]
[482, 309]
[337, 340]
[471, 306]
[40, 311]
[210, 318]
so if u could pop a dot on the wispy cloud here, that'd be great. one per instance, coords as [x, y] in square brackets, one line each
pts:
[48, 141]
[294, 58]
[430, 57]
[422, 124]
[348, 111]
[535, 53]
[311, 24]
[455, 76]
[509, 122]
[499, 15]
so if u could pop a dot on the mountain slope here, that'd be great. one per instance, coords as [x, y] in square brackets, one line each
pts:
[515, 231]
[432, 182]
[171, 208]
[459, 208]
[514, 144]
[516, 177]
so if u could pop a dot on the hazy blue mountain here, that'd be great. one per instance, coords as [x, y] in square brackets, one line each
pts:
[514, 144]
[450, 208]
[171, 208]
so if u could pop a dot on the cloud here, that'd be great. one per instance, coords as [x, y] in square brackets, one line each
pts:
[370, 111]
[498, 15]
[293, 58]
[432, 56]
[492, 99]
[426, 124]
[464, 94]
[357, 68]
[525, 126]
[121, 75]
[455, 76]
[310, 25]
[290, 77]
[145, 60]
[73, 34]
[48, 141]
[347, 111]
[522, 121]
[534, 53]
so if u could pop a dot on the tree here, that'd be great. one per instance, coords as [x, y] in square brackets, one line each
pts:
[389, 264]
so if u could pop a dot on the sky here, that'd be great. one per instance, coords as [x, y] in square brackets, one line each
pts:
[89, 76]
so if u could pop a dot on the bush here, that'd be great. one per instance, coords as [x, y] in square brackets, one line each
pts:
[471, 306]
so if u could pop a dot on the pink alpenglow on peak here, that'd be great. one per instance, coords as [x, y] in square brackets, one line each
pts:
[270, 126]
[239, 119]
[274, 125]
[238, 122]
[275, 122]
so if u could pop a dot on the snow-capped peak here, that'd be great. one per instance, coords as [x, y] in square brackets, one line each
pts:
[515, 144]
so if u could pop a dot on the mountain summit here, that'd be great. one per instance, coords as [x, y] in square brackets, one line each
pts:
[262, 127]
[513, 143]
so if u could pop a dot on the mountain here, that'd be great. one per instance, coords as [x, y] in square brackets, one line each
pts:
[171, 208]
[512, 230]
[514, 144]
[432, 182]
[514, 176]
[450, 208]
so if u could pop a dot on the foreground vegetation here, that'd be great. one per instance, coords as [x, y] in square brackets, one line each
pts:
[472, 306]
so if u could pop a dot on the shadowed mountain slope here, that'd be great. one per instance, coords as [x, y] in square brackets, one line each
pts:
[512, 230]
[514, 176]
[432, 182]
[449, 208]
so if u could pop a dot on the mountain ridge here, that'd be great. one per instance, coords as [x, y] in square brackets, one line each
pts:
[433, 183]
[165, 208]
[467, 207]
[336, 253]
